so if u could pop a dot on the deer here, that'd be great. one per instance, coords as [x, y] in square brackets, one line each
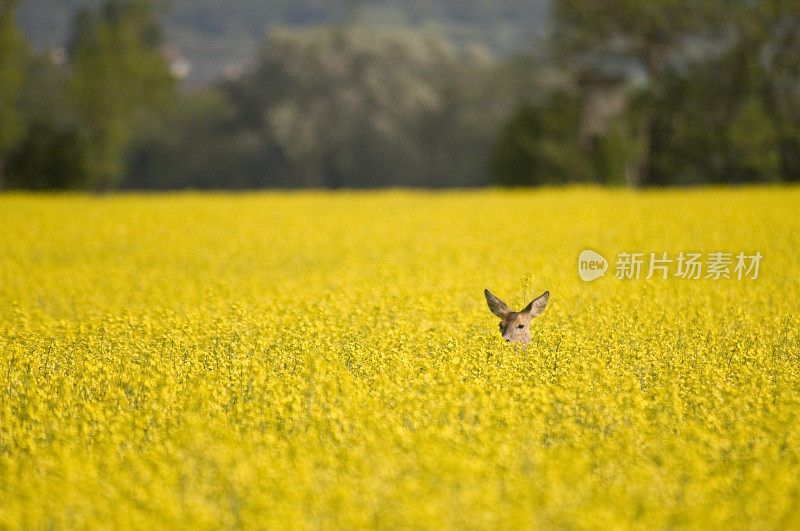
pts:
[515, 326]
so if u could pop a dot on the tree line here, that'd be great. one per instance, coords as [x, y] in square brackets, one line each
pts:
[623, 92]
[719, 100]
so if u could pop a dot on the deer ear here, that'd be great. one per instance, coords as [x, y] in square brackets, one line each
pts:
[537, 305]
[498, 307]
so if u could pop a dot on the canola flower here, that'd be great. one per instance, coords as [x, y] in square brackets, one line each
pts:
[314, 360]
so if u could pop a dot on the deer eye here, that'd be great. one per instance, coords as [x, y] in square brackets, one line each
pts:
[521, 326]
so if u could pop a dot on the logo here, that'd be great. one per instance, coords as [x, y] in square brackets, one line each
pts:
[663, 265]
[591, 265]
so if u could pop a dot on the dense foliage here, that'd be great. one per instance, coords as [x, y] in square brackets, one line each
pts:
[13, 52]
[622, 92]
[723, 78]
[318, 360]
[215, 34]
[334, 108]
[117, 71]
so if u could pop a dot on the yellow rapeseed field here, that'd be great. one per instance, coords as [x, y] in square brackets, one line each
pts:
[315, 360]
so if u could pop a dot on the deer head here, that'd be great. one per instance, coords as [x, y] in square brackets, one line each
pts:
[515, 326]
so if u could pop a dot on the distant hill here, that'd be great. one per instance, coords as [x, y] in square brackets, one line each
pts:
[219, 36]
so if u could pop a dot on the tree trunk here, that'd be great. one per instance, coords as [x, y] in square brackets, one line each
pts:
[655, 60]
[2, 172]
[638, 174]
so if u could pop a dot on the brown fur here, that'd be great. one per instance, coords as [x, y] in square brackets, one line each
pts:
[515, 326]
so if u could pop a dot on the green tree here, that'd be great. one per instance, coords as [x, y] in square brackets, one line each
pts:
[52, 152]
[733, 116]
[13, 53]
[723, 74]
[652, 33]
[353, 107]
[118, 71]
[202, 144]
[764, 89]
[540, 145]
[753, 141]
[48, 158]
